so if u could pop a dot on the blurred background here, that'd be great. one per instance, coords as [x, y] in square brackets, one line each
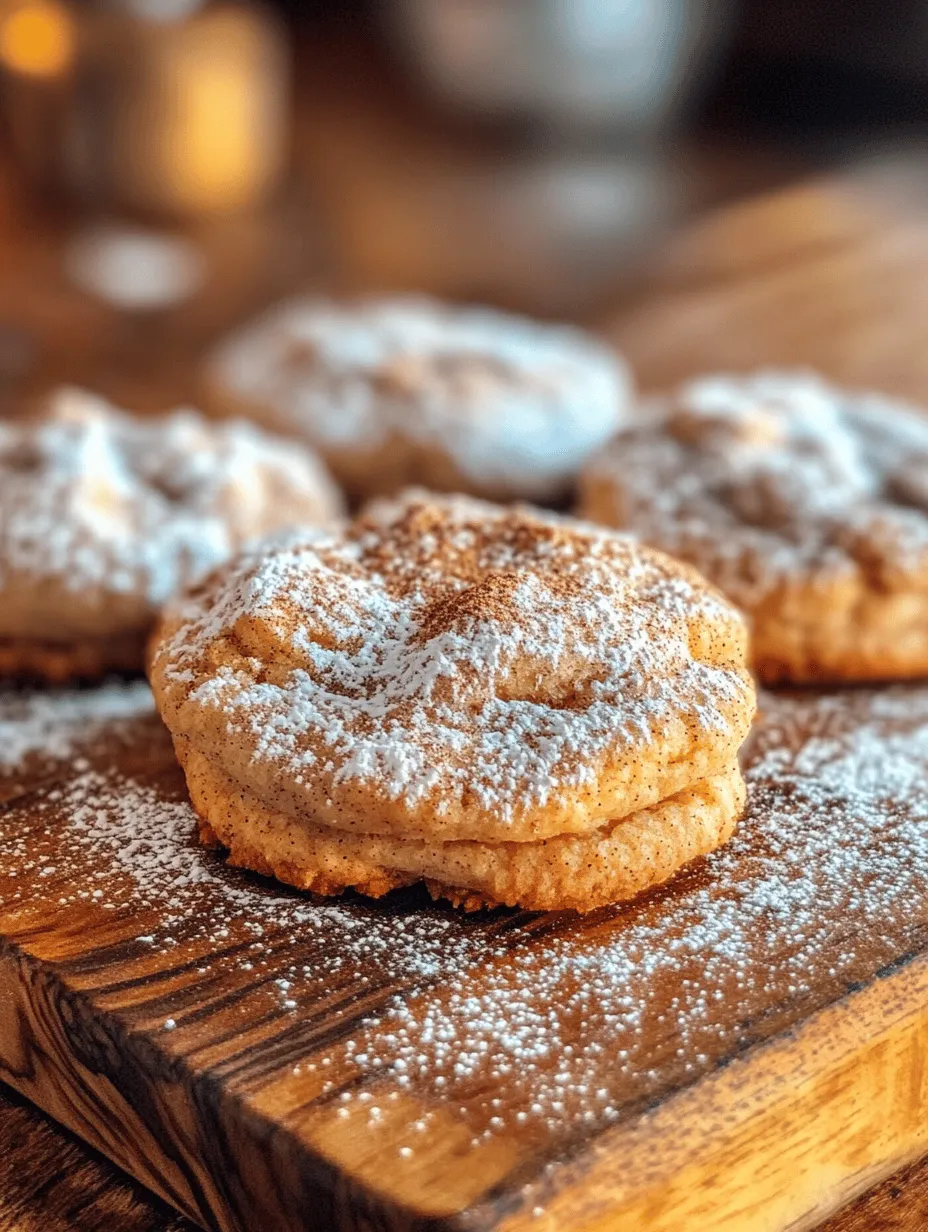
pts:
[168, 167]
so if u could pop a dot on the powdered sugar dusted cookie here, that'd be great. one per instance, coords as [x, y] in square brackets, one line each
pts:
[104, 516]
[400, 391]
[515, 708]
[807, 505]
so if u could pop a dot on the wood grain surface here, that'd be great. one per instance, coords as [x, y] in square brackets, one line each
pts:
[828, 274]
[51, 1182]
[899, 1204]
[743, 1049]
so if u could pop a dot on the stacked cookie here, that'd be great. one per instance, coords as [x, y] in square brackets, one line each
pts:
[512, 707]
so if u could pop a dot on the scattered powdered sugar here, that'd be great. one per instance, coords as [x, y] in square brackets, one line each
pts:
[55, 722]
[544, 1028]
[450, 654]
[825, 883]
[762, 478]
[125, 845]
[513, 402]
[98, 500]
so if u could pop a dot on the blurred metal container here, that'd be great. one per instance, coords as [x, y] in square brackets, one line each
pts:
[628, 65]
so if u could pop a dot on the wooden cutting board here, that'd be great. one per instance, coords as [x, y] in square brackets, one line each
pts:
[743, 1049]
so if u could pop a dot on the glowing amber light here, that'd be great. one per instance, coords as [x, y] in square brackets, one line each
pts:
[37, 38]
[216, 151]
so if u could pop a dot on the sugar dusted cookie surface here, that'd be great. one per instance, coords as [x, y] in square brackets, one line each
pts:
[806, 505]
[443, 688]
[400, 391]
[104, 516]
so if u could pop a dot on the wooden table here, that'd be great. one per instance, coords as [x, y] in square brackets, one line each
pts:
[50, 1182]
[828, 272]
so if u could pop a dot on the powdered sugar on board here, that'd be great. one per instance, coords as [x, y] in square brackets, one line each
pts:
[542, 1027]
[54, 722]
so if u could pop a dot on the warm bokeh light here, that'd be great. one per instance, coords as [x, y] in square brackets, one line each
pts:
[215, 146]
[37, 38]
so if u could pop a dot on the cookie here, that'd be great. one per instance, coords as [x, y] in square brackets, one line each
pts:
[104, 516]
[616, 861]
[805, 504]
[511, 706]
[408, 391]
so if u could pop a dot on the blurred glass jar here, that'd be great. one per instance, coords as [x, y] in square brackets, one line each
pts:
[628, 65]
[168, 106]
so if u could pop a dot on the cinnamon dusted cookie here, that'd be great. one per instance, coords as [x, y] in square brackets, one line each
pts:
[805, 504]
[104, 516]
[512, 707]
[399, 391]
